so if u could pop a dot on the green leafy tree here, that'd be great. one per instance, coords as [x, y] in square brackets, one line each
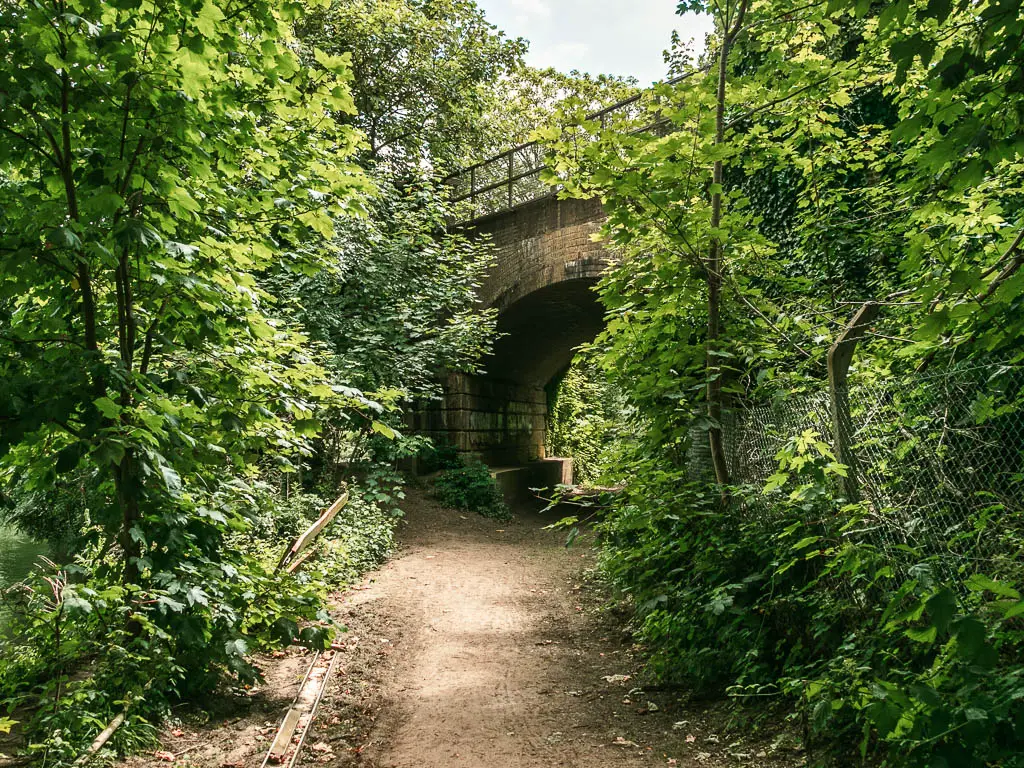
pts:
[156, 157]
[421, 72]
[528, 98]
[398, 305]
[394, 302]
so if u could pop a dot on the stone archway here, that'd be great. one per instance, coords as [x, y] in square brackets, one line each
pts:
[541, 285]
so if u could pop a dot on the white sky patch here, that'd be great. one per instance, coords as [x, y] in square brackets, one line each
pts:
[563, 56]
[530, 8]
[619, 37]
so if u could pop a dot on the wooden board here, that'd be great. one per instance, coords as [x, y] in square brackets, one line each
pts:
[283, 740]
[314, 530]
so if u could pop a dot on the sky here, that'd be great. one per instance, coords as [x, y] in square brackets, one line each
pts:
[618, 37]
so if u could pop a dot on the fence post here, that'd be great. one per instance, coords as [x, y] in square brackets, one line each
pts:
[472, 191]
[840, 355]
[510, 166]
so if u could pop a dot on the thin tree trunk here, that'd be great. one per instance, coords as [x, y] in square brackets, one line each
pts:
[127, 488]
[64, 158]
[714, 265]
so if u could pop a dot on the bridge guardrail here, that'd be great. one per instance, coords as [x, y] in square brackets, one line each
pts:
[512, 178]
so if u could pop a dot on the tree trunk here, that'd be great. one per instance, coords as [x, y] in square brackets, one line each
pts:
[126, 484]
[714, 266]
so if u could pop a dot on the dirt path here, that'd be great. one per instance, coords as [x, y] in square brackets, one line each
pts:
[480, 645]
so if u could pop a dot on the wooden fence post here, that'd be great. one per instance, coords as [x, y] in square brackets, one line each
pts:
[840, 355]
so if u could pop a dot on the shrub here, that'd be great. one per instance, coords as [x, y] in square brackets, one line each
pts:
[363, 534]
[471, 487]
[587, 419]
[82, 642]
[916, 671]
[439, 455]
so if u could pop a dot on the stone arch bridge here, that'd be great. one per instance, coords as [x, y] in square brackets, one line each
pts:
[547, 264]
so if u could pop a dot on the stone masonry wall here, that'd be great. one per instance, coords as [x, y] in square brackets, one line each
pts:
[539, 244]
[502, 422]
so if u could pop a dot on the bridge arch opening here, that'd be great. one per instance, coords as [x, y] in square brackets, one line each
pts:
[538, 335]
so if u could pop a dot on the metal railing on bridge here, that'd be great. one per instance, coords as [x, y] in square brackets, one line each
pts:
[512, 178]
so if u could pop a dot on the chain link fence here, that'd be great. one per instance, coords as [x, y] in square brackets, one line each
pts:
[938, 458]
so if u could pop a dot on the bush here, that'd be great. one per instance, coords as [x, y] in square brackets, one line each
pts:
[471, 488]
[79, 633]
[919, 672]
[439, 455]
[60, 515]
[85, 644]
[363, 534]
[279, 518]
[359, 538]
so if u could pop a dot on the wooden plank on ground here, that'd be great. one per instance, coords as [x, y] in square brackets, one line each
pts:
[283, 740]
[295, 725]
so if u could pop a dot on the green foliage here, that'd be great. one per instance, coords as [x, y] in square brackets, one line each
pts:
[438, 455]
[61, 515]
[527, 99]
[395, 304]
[362, 536]
[587, 419]
[908, 666]
[422, 73]
[472, 488]
[157, 162]
[284, 517]
[359, 538]
[868, 151]
[137, 342]
[61, 622]
[146, 644]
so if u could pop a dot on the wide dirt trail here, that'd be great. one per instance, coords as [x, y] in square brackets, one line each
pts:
[485, 668]
[479, 645]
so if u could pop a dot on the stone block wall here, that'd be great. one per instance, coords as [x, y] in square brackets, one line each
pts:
[539, 244]
[502, 422]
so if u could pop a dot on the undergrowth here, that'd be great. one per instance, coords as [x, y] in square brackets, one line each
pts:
[913, 669]
[87, 648]
[472, 489]
[465, 484]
